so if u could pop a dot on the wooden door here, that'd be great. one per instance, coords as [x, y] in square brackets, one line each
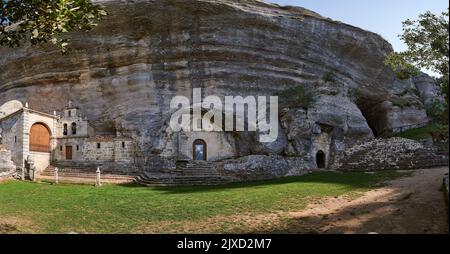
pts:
[68, 153]
[39, 138]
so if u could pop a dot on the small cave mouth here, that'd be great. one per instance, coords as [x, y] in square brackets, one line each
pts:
[374, 114]
[321, 159]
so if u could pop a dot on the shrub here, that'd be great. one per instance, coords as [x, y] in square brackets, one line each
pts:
[437, 111]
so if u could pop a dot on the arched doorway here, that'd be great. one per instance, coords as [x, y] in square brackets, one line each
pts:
[199, 150]
[321, 159]
[39, 138]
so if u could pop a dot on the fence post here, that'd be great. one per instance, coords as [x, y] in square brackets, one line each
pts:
[33, 173]
[97, 180]
[56, 176]
[22, 174]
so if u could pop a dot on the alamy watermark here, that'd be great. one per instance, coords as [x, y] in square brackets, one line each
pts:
[208, 114]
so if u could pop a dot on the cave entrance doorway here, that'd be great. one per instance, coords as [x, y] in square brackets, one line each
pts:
[375, 115]
[320, 159]
[199, 150]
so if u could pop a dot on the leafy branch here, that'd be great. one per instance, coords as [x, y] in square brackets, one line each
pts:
[42, 21]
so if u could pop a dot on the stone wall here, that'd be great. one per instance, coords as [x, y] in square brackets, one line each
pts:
[77, 145]
[387, 154]
[41, 160]
[123, 150]
[7, 167]
[219, 145]
[12, 132]
[91, 151]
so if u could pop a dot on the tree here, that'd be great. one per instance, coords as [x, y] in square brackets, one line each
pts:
[41, 21]
[428, 41]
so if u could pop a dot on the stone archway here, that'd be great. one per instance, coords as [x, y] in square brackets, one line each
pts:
[321, 159]
[199, 150]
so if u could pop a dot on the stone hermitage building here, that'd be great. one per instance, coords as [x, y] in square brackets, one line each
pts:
[44, 138]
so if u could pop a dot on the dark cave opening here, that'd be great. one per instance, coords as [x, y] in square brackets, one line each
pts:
[320, 159]
[374, 114]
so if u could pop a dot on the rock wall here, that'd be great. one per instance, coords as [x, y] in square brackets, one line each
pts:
[125, 72]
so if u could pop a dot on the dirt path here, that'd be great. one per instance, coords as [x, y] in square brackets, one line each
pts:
[408, 205]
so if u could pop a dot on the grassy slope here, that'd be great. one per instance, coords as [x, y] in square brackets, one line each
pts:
[432, 130]
[123, 209]
[438, 132]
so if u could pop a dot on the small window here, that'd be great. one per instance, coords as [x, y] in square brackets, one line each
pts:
[70, 113]
[65, 130]
[60, 148]
[74, 129]
[98, 146]
[78, 147]
[15, 139]
[123, 144]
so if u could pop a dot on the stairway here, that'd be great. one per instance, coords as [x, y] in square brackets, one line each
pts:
[84, 173]
[186, 174]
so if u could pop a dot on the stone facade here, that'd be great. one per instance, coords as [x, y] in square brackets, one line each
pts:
[71, 139]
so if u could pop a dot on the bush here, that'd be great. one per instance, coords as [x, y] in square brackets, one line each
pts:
[437, 111]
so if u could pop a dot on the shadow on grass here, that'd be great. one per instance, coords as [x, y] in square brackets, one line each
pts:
[351, 179]
[405, 216]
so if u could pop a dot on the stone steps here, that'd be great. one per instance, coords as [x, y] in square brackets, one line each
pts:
[182, 181]
[189, 174]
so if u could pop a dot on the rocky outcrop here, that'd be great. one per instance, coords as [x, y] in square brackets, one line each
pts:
[394, 153]
[427, 89]
[261, 167]
[125, 72]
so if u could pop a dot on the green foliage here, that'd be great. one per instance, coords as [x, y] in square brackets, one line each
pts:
[428, 47]
[437, 131]
[296, 97]
[41, 21]
[47, 208]
[438, 111]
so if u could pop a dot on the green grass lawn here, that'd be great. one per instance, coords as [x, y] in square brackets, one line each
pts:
[27, 207]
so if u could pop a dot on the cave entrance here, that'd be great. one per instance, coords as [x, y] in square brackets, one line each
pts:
[374, 114]
[321, 159]
[372, 123]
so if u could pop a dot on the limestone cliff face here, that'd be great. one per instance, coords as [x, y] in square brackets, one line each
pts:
[124, 73]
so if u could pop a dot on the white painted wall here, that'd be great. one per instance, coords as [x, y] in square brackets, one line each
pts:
[219, 145]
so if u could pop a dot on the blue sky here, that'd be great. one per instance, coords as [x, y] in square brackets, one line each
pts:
[381, 16]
